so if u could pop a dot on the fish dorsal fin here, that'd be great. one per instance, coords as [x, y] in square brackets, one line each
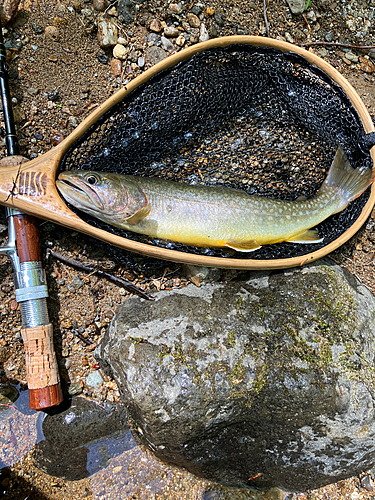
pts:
[139, 215]
[309, 236]
[243, 246]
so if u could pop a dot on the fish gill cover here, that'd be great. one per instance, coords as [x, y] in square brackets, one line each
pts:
[243, 117]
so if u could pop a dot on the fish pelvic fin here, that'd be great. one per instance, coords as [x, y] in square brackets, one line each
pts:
[347, 181]
[243, 246]
[139, 215]
[309, 236]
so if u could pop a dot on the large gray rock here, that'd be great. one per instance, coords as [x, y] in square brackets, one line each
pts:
[271, 375]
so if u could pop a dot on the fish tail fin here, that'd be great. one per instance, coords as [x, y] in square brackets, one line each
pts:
[346, 180]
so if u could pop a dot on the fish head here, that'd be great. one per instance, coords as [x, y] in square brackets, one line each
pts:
[109, 197]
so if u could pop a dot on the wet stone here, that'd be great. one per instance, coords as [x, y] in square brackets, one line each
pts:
[225, 378]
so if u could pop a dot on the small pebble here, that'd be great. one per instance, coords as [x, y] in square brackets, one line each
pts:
[77, 283]
[113, 12]
[166, 44]
[193, 20]
[120, 52]
[94, 379]
[60, 21]
[367, 483]
[14, 45]
[366, 65]
[107, 33]
[176, 8]
[351, 57]
[180, 41]
[156, 26]
[33, 91]
[171, 32]
[54, 96]
[52, 31]
[39, 30]
[116, 67]
[141, 62]
[100, 5]
[74, 389]
[73, 121]
[203, 33]
[102, 57]
[77, 5]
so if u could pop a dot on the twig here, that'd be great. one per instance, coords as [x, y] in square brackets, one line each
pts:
[90, 269]
[334, 44]
[266, 18]
[81, 337]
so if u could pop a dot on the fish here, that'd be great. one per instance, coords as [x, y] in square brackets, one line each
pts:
[211, 216]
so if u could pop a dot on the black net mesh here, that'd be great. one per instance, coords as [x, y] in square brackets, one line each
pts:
[249, 118]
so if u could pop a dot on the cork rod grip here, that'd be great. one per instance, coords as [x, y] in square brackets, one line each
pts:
[41, 365]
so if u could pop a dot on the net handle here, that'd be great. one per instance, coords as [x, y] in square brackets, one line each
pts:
[31, 186]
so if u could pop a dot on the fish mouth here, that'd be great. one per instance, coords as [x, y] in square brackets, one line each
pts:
[74, 189]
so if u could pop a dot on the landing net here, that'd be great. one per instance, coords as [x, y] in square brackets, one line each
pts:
[244, 117]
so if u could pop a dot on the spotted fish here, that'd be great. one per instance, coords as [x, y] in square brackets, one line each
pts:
[205, 216]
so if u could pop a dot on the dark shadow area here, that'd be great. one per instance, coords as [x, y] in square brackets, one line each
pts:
[14, 487]
[82, 439]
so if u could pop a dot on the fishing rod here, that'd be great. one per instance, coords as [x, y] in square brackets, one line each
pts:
[23, 248]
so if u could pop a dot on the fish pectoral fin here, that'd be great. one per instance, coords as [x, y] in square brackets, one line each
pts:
[309, 236]
[139, 215]
[243, 246]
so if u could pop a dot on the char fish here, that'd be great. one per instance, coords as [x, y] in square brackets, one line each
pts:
[205, 216]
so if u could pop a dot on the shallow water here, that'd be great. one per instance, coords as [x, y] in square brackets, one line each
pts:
[36, 448]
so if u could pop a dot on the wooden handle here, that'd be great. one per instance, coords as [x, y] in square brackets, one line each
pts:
[41, 364]
[27, 235]
[43, 377]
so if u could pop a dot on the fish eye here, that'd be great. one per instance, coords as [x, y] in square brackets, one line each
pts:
[92, 179]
